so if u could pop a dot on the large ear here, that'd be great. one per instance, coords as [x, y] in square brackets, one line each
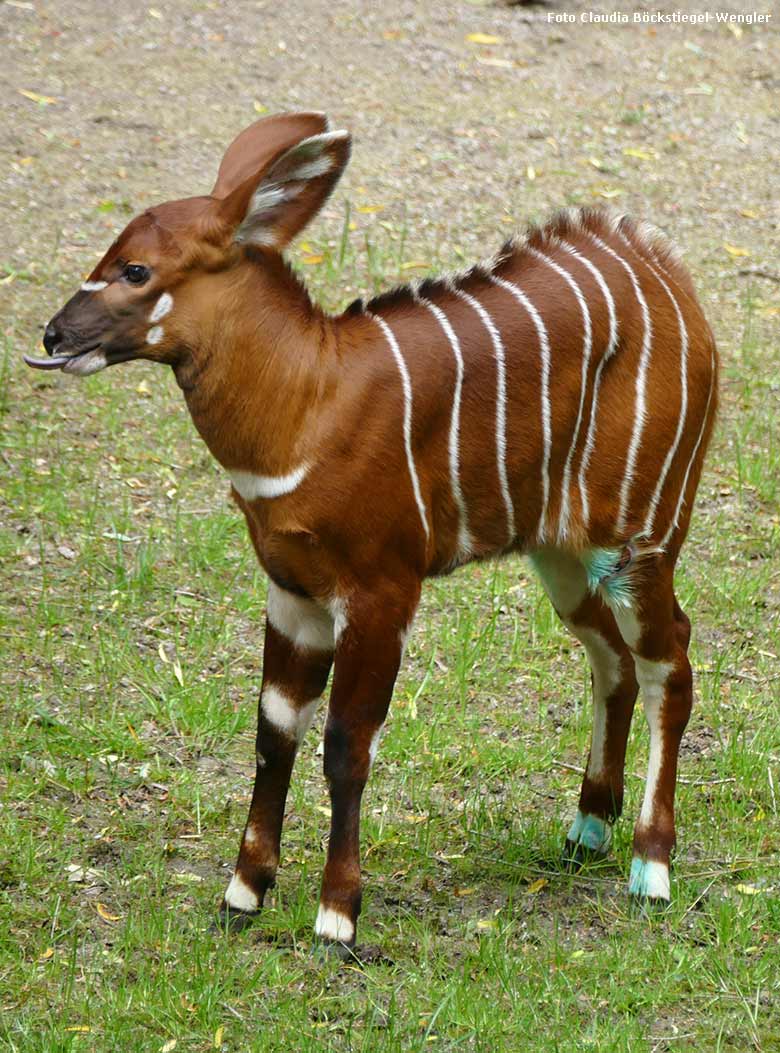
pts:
[260, 143]
[270, 207]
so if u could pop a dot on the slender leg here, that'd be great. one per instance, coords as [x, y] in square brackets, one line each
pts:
[296, 662]
[368, 653]
[614, 694]
[658, 633]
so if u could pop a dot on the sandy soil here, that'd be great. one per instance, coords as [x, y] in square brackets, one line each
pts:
[678, 123]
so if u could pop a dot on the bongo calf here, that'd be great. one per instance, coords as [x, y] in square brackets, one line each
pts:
[555, 401]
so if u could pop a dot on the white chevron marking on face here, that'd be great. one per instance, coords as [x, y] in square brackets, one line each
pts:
[93, 286]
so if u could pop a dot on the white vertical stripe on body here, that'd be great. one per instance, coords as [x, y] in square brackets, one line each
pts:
[587, 344]
[640, 409]
[653, 507]
[681, 498]
[498, 349]
[407, 389]
[590, 437]
[544, 353]
[464, 537]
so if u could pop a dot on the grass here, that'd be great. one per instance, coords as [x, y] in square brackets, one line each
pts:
[131, 633]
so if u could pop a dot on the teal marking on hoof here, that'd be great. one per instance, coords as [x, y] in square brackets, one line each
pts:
[588, 840]
[649, 881]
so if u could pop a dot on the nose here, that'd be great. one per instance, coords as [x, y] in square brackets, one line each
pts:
[51, 337]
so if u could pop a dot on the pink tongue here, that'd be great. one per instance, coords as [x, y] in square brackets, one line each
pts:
[57, 362]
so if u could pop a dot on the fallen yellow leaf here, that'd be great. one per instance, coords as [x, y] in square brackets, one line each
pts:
[46, 954]
[735, 250]
[750, 213]
[392, 34]
[259, 107]
[169, 1045]
[412, 264]
[143, 389]
[530, 173]
[78, 1027]
[369, 208]
[498, 63]
[105, 914]
[465, 891]
[538, 885]
[643, 155]
[42, 100]
[483, 38]
[607, 192]
[155, 13]
[311, 260]
[218, 1037]
[748, 890]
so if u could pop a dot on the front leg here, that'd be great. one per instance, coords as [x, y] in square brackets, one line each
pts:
[368, 652]
[296, 662]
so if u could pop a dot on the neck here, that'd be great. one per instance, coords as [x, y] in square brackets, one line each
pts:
[259, 368]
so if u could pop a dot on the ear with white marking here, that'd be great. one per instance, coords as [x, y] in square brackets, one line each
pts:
[273, 205]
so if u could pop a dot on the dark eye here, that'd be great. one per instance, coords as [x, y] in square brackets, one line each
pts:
[136, 273]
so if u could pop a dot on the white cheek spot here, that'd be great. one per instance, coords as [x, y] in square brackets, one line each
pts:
[240, 896]
[306, 625]
[93, 286]
[161, 308]
[155, 335]
[279, 711]
[333, 925]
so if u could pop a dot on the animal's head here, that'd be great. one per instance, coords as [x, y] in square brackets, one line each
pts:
[140, 300]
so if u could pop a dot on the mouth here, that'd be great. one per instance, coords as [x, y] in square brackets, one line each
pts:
[80, 363]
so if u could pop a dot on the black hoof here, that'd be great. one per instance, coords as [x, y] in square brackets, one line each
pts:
[649, 906]
[333, 950]
[230, 919]
[575, 856]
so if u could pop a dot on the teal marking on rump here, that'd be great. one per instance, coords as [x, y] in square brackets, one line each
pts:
[603, 569]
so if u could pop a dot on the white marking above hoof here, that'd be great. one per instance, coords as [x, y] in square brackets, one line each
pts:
[649, 879]
[333, 925]
[155, 334]
[240, 896]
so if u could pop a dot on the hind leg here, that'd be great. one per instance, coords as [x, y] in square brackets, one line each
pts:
[614, 694]
[658, 632]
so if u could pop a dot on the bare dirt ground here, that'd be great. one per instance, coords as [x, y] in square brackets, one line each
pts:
[677, 123]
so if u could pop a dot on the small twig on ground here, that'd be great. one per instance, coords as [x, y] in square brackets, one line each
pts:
[636, 775]
[759, 272]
